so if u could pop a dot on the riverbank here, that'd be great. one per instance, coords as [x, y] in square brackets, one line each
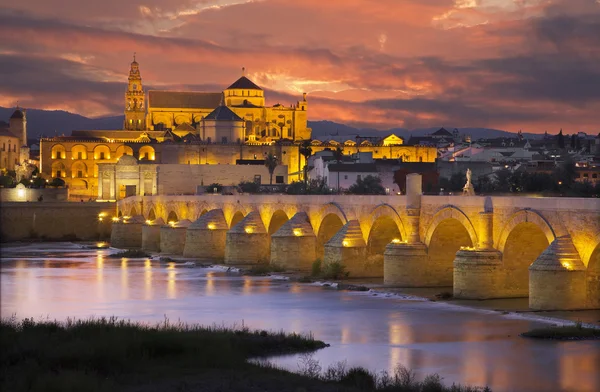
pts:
[108, 354]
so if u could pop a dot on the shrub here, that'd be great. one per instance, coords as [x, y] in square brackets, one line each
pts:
[132, 254]
[249, 187]
[334, 270]
[6, 181]
[316, 268]
[360, 378]
[57, 182]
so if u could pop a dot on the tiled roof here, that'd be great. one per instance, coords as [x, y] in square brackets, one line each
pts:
[223, 113]
[244, 83]
[442, 132]
[183, 99]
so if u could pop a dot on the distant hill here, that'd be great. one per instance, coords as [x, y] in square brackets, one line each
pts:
[59, 122]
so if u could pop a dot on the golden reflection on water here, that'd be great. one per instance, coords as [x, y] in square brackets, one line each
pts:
[100, 275]
[400, 333]
[247, 289]
[147, 279]
[210, 284]
[171, 283]
[124, 279]
[346, 335]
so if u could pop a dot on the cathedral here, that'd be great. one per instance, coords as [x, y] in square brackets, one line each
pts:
[238, 114]
[233, 127]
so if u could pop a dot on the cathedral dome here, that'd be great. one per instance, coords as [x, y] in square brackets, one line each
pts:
[17, 114]
[127, 160]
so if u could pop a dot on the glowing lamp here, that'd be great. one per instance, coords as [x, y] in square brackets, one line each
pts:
[102, 214]
[297, 232]
[396, 240]
[345, 243]
[148, 222]
[211, 226]
[171, 223]
[115, 219]
[249, 230]
[21, 193]
[100, 219]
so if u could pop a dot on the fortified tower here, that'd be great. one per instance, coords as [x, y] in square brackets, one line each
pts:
[135, 111]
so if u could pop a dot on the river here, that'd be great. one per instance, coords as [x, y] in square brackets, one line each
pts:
[463, 345]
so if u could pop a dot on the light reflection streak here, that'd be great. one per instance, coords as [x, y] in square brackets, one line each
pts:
[100, 275]
[148, 279]
[171, 285]
[210, 284]
[124, 279]
[247, 289]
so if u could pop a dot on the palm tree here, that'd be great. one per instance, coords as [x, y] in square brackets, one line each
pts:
[338, 154]
[271, 163]
[306, 151]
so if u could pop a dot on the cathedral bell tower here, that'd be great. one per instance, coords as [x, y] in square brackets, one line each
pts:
[135, 110]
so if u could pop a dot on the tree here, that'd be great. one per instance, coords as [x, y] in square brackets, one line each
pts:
[57, 182]
[249, 187]
[271, 163]
[306, 152]
[560, 139]
[338, 154]
[370, 185]
[6, 181]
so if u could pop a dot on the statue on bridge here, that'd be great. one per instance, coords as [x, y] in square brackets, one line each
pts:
[468, 189]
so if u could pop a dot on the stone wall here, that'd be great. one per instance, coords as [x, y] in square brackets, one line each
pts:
[55, 220]
[31, 194]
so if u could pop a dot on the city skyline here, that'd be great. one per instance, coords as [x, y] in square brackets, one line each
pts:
[502, 64]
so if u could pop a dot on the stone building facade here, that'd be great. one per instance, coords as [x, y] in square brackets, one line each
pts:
[13, 141]
[198, 128]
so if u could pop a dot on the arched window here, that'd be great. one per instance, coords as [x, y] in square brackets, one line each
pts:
[134, 87]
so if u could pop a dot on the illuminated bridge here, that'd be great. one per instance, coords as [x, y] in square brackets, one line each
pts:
[547, 249]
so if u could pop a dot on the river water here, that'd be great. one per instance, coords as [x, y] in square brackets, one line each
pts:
[463, 345]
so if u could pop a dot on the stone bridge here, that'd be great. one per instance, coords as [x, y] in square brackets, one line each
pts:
[547, 249]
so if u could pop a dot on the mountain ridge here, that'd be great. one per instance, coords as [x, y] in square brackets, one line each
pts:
[47, 123]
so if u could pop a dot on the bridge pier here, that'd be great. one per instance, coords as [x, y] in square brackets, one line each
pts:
[405, 265]
[248, 242]
[348, 248]
[206, 237]
[557, 279]
[151, 235]
[127, 233]
[478, 274]
[294, 245]
[172, 237]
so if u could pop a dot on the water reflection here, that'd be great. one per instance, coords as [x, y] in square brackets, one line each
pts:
[475, 347]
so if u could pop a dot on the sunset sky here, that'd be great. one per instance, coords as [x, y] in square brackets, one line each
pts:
[506, 64]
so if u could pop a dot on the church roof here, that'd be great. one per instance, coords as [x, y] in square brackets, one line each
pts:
[17, 114]
[441, 132]
[183, 99]
[223, 113]
[244, 83]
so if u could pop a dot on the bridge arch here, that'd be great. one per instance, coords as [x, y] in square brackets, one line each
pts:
[525, 216]
[331, 219]
[133, 211]
[451, 212]
[385, 210]
[593, 277]
[449, 230]
[236, 217]
[172, 217]
[523, 238]
[278, 219]
[151, 214]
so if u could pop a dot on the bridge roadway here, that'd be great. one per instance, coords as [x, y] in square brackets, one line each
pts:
[547, 249]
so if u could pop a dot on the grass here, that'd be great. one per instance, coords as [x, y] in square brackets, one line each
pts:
[565, 332]
[333, 271]
[131, 254]
[108, 354]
